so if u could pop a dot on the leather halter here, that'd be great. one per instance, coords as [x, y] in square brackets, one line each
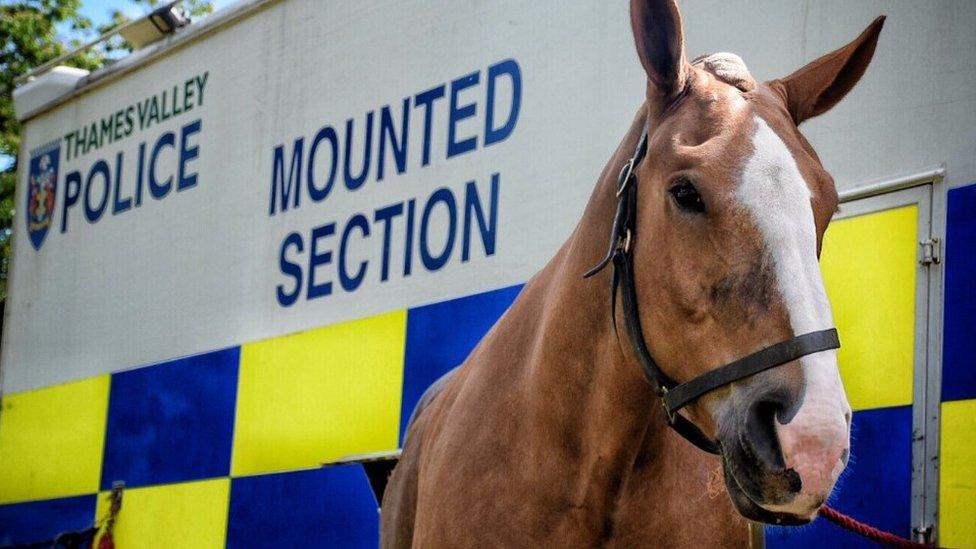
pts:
[673, 395]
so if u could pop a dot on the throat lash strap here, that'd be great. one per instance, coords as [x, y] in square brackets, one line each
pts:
[675, 396]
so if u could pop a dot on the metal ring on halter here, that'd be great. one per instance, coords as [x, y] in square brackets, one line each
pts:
[668, 413]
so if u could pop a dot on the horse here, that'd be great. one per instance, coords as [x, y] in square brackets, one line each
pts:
[553, 433]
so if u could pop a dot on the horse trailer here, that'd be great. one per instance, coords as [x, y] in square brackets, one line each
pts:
[243, 252]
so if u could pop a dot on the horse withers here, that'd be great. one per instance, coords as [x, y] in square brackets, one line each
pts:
[552, 434]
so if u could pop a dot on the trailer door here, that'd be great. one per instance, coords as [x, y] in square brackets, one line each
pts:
[879, 263]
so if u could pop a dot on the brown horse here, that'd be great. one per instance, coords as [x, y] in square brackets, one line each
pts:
[550, 434]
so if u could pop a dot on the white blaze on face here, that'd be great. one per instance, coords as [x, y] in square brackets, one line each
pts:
[815, 441]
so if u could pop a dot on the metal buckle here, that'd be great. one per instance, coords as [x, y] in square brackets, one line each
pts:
[623, 243]
[626, 172]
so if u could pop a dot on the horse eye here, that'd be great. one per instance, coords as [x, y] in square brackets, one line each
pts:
[686, 197]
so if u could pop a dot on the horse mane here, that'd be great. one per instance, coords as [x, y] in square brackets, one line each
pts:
[727, 67]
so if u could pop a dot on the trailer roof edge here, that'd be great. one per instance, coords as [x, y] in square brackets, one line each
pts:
[140, 58]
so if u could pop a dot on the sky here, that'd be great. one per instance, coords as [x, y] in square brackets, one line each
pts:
[99, 10]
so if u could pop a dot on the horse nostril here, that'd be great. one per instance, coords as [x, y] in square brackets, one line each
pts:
[761, 432]
[847, 418]
[767, 410]
[773, 405]
[845, 455]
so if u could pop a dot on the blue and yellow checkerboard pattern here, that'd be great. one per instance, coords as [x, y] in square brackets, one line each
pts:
[224, 448]
[957, 480]
[869, 266]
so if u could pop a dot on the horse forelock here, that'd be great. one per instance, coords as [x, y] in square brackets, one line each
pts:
[727, 67]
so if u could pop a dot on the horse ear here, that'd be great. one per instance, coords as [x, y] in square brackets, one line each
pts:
[821, 84]
[660, 45]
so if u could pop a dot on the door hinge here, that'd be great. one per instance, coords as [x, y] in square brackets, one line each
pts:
[930, 251]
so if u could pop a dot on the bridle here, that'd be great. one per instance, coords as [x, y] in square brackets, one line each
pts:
[675, 396]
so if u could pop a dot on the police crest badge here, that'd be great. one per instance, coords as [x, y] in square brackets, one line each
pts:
[42, 181]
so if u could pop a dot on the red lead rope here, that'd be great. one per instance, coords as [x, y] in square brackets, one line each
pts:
[870, 532]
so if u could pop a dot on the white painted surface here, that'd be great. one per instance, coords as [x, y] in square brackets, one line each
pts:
[197, 271]
[33, 95]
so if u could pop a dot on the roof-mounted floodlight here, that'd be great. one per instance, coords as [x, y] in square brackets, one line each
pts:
[155, 26]
[161, 22]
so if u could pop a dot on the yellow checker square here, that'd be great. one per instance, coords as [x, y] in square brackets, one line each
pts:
[869, 264]
[186, 515]
[319, 395]
[957, 479]
[51, 440]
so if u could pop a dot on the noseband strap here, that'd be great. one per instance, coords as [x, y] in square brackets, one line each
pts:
[675, 396]
[770, 357]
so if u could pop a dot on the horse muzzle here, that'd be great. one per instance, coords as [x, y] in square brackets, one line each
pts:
[783, 450]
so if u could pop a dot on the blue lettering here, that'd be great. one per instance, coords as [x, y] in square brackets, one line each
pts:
[426, 99]
[187, 154]
[387, 132]
[281, 189]
[72, 190]
[119, 206]
[287, 299]
[459, 113]
[350, 283]
[139, 169]
[408, 247]
[316, 259]
[386, 215]
[353, 182]
[473, 208]
[159, 191]
[507, 67]
[92, 214]
[325, 133]
[430, 261]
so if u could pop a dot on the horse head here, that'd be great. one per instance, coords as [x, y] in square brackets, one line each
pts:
[733, 207]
